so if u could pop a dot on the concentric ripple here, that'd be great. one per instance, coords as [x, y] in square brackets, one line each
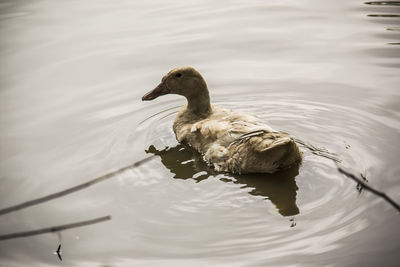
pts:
[306, 211]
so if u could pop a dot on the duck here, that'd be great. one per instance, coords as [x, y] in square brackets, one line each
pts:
[229, 141]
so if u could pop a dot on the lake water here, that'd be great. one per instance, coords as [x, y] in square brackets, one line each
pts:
[72, 74]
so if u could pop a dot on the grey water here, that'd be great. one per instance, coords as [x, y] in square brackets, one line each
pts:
[72, 74]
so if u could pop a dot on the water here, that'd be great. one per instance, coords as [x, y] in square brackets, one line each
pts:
[72, 75]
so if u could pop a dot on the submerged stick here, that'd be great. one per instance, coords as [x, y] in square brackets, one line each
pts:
[55, 228]
[371, 189]
[323, 152]
[71, 189]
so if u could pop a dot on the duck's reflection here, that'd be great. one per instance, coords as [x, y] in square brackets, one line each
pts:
[279, 187]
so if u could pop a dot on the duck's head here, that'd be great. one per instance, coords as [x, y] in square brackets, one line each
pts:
[185, 81]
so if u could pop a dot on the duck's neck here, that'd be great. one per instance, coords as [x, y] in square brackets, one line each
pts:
[199, 104]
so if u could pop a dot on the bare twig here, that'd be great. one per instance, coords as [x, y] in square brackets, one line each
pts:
[325, 153]
[71, 189]
[54, 228]
[369, 188]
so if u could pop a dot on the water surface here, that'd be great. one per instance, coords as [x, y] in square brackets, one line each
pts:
[72, 74]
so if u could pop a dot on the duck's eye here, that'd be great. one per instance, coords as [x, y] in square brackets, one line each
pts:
[178, 75]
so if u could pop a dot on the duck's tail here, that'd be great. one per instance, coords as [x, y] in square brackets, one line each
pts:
[266, 152]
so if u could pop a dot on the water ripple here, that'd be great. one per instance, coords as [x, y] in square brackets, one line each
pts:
[329, 209]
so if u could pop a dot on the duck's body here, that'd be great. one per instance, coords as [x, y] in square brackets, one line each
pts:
[236, 142]
[230, 141]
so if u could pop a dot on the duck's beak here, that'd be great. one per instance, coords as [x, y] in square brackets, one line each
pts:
[161, 89]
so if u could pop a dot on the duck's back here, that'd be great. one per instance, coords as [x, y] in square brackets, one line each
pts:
[236, 142]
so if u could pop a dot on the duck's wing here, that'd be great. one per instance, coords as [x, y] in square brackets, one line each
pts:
[244, 125]
[254, 134]
[226, 126]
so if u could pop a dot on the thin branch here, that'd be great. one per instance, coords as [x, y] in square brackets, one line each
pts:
[325, 153]
[71, 189]
[371, 189]
[55, 228]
